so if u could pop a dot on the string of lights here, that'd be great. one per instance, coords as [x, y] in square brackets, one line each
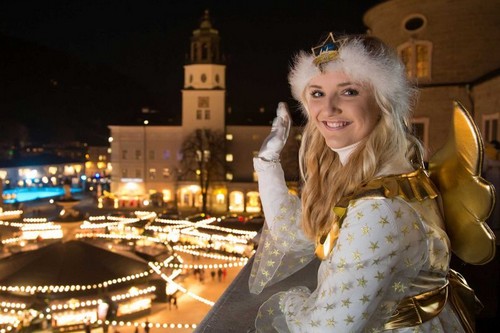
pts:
[195, 241]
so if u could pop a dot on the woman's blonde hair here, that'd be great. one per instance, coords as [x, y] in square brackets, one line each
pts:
[325, 180]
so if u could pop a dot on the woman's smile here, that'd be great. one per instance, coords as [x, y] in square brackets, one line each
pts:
[336, 125]
[343, 110]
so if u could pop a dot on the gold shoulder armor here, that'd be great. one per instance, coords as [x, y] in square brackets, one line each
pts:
[413, 186]
[467, 198]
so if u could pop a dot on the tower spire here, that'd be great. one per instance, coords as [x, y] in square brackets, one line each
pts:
[205, 43]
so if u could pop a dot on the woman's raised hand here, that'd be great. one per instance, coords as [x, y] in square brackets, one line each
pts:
[275, 141]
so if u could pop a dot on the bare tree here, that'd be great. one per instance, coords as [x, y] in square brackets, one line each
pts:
[204, 160]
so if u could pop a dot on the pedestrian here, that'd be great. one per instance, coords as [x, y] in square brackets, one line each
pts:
[219, 274]
[367, 208]
[212, 274]
[136, 330]
[174, 299]
[169, 301]
[146, 326]
[87, 326]
[224, 273]
[202, 275]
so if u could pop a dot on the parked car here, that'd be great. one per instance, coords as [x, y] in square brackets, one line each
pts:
[197, 217]
[234, 218]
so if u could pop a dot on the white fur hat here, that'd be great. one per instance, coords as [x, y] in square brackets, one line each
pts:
[380, 67]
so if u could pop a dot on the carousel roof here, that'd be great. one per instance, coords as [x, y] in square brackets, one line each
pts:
[74, 262]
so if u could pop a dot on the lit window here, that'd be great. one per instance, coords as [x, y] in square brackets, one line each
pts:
[167, 195]
[52, 170]
[152, 173]
[166, 172]
[229, 176]
[220, 198]
[138, 154]
[198, 114]
[416, 55]
[236, 201]
[229, 157]
[490, 127]
[229, 137]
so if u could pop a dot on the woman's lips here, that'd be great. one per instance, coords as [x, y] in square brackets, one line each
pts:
[336, 124]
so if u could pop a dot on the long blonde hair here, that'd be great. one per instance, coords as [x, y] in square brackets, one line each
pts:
[325, 180]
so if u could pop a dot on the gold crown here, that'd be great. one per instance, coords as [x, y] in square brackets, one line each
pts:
[327, 51]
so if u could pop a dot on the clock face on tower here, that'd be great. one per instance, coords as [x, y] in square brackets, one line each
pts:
[203, 102]
[203, 78]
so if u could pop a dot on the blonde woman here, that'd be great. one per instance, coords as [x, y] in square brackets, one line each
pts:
[367, 209]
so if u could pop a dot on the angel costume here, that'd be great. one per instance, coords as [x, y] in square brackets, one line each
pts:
[390, 247]
[385, 262]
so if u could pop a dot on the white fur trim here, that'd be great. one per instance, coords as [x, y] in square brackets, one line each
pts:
[383, 71]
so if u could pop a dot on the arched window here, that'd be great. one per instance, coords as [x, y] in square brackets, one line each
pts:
[204, 51]
[417, 56]
[236, 202]
[253, 202]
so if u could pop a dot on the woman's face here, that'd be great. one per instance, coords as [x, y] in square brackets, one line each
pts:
[344, 111]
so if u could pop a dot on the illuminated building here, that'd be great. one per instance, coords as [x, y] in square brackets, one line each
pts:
[146, 159]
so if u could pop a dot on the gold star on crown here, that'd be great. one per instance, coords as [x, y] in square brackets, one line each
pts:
[327, 51]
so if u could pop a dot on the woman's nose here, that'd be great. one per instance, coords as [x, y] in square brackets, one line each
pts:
[333, 105]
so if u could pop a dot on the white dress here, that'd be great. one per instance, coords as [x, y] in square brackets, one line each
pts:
[387, 250]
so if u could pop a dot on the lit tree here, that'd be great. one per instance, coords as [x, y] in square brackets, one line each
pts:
[204, 160]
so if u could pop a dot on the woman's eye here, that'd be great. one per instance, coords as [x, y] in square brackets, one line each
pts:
[350, 92]
[317, 93]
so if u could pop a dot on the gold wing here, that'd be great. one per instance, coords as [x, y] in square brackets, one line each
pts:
[468, 199]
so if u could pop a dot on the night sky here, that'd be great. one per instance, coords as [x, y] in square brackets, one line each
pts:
[145, 42]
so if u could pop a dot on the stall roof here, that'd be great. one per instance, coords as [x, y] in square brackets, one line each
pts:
[74, 262]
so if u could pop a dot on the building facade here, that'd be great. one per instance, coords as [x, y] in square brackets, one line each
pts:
[452, 50]
[147, 160]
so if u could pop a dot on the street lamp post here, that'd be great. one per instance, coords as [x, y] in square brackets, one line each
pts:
[146, 122]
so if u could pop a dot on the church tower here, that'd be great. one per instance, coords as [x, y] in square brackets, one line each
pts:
[204, 92]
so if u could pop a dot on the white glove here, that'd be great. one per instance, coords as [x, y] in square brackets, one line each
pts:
[275, 141]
